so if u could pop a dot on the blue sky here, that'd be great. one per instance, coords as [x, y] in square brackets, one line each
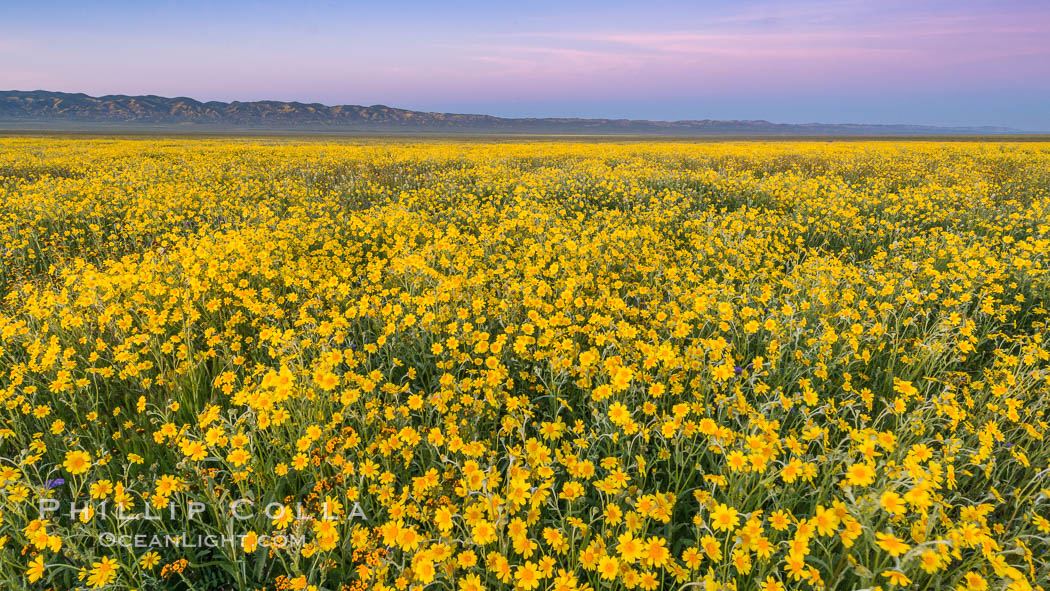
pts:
[935, 62]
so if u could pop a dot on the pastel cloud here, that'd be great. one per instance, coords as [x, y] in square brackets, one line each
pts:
[909, 45]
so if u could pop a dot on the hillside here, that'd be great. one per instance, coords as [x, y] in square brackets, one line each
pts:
[60, 110]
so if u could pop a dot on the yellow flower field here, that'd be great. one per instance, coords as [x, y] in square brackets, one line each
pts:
[294, 364]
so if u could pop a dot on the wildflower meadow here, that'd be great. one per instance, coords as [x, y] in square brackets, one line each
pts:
[523, 365]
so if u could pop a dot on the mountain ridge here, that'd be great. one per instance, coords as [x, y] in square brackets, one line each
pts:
[130, 111]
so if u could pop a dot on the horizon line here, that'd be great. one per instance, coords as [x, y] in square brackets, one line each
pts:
[997, 128]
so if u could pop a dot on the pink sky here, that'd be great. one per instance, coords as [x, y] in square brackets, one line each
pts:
[965, 62]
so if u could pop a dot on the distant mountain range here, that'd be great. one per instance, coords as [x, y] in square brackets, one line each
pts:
[41, 109]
